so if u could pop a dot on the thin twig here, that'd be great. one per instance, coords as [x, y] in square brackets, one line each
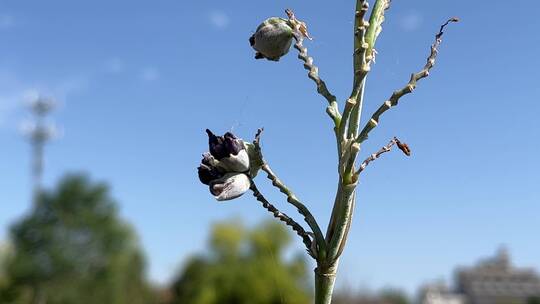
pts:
[284, 218]
[313, 74]
[395, 141]
[411, 85]
[291, 198]
[366, 34]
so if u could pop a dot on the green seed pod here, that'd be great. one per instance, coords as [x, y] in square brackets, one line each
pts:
[273, 39]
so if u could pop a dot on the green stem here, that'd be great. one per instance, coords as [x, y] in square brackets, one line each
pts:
[325, 277]
[293, 200]
[313, 74]
[360, 66]
[375, 21]
[283, 217]
[408, 88]
[338, 231]
[364, 44]
[354, 120]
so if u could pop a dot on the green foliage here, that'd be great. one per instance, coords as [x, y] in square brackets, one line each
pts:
[394, 296]
[534, 300]
[73, 248]
[5, 255]
[243, 266]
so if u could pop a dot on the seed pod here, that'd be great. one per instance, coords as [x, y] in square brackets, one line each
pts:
[273, 39]
[230, 186]
[229, 152]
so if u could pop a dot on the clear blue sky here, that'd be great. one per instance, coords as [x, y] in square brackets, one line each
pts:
[139, 81]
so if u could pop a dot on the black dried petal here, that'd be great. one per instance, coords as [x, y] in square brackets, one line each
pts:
[232, 143]
[208, 174]
[207, 159]
[223, 146]
[217, 148]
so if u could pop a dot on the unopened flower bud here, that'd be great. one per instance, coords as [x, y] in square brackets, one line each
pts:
[273, 39]
[228, 151]
[230, 186]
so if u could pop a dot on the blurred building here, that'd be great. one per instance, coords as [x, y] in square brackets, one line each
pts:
[440, 294]
[496, 280]
[491, 281]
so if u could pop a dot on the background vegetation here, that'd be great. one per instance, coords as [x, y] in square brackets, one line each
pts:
[73, 248]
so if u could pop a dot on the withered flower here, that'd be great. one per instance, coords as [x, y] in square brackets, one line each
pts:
[404, 148]
[228, 152]
[230, 186]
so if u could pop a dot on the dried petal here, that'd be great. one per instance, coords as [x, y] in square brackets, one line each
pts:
[404, 147]
[208, 173]
[300, 26]
[230, 186]
[228, 153]
[235, 163]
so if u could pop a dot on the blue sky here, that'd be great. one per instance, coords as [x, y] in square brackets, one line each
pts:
[139, 81]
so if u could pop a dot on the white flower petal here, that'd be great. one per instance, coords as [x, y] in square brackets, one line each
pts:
[230, 186]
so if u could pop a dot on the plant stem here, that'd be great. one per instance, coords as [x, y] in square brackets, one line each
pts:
[360, 66]
[292, 199]
[338, 230]
[375, 25]
[408, 88]
[332, 109]
[325, 277]
[284, 218]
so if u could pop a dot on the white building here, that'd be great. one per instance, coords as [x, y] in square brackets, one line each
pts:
[439, 294]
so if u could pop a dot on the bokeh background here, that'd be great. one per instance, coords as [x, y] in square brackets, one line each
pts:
[136, 83]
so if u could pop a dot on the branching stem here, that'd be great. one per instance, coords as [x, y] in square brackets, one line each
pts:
[292, 199]
[313, 73]
[409, 87]
[403, 147]
[284, 218]
[326, 250]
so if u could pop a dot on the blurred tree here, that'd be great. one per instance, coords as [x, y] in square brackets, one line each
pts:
[244, 267]
[3, 262]
[73, 248]
[534, 300]
[394, 296]
[5, 254]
